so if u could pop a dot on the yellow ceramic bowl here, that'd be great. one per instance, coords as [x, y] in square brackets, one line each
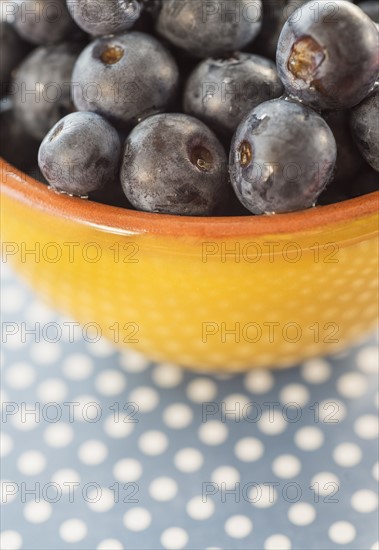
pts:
[219, 293]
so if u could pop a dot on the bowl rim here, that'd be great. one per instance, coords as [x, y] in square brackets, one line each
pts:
[114, 219]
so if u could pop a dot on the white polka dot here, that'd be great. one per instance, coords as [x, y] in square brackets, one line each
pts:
[137, 519]
[301, 513]
[110, 544]
[226, 475]
[286, 466]
[118, 426]
[325, 484]
[352, 385]
[6, 444]
[238, 406]
[177, 416]
[45, 353]
[188, 460]
[8, 491]
[12, 299]
[364, 501]
[52, 390]
[26, 421]
[272, 422]
[342, 532]
[78, 366]
[259, 381]
[375, 471]
[31, 463]
[213, 432]
[201, 390]
[100, 499]
[375, 546]
[85, 408]
[347, 454]
[262, 496]
[200, 509]
[163, 489]
[331, 411]
[127, 470]
[238, 527]
[92, 452]
[58, 435]
[20, 375]
[153, 443]
[174, 538]
[368, 359]
[37, 512]
[166, 375]
[249, 449]
[294, 393]
[101, 348]
[73, 530]
[309, 438]
[110, 382]
[10, 540]
[145, 398]
[316, 371]
[277, 542]
[132, 361]
[367, 426]
[64, 478]
[38, 312]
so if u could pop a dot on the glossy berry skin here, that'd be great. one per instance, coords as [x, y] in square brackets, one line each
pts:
[330, 61]
[220, 92]
[42, 87]
[80, 154]
[282, 156]
[44, 22]
[13, 49]
[125, 78]
[174, 164]
[106, 17]
[365, 129]
[208, 29]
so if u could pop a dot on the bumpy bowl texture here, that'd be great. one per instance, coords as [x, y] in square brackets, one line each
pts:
[219, 293]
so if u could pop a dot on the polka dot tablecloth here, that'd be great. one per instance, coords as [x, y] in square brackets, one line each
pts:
[104, 450]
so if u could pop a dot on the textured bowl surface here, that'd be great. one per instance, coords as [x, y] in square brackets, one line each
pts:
[222, 293]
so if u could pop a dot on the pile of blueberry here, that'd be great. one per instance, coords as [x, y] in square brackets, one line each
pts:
[139, 103]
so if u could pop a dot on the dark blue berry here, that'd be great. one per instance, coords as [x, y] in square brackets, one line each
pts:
[80, 154]
[220, 92]
[13, 49]
[206, 29]
[328, 59]
[365, 128]
[174, 164]
[107, 17]
[42, 87]
[43, 21]
[125, 77]
[282, 156]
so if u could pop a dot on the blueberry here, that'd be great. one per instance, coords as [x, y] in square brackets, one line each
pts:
[275, 14]
[81, 153]
[16, 146]
[125, 77]
[111, 16]
[13, 49]
[220, 92]
[365, 128]
[174, 164]
[330, 61]
[207, 29]
[282, 156]
[371, 8]
[43, 21]
[349, 160]
[42, 87]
